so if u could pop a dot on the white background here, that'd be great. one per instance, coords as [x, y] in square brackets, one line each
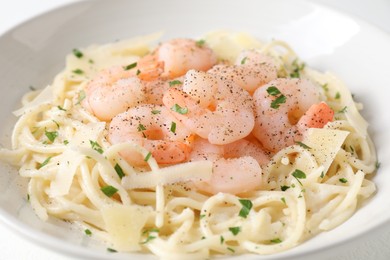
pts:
[373, 246]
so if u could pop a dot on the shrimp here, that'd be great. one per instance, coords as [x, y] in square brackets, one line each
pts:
[232, 175]
[113, 91]
[251, 70]
[284, 109]
[217, 110]
[154, 128]
[174, 58]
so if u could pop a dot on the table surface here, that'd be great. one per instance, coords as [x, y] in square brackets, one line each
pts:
[371, 246]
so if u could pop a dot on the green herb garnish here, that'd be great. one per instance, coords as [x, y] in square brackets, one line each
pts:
[283, 200]
[173, 127]
[51, 135]
[343, 180]
[175, 82]
[147, 157]
[284, 187]
[155, 112]
[280, 98]
[337, 96]
[96, 146]
[343, 110]
[111, 250]
[222, 239]
[298, 174]
[119, 171]
[235, 230]
[178, 109]
[44, 162]
[273, 91]
[276, 241]
[246, 207]
[78, 53]
[82, 96]
[109, 190]
[141, 127]
[243, 60]
[88, 232]
[303, 145]
[78, 71]
[130, 66]
[231, 249]
[200, 43]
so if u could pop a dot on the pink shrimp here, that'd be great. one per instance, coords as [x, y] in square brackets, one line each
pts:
[233, 172]
[252, 70]
[284, 109]
[154, 128]
[217, 110]
[174, 58]
[113, 91]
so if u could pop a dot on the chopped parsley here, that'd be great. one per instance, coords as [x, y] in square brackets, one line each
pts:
[235, 230]
[141, 127]
[322, 174]
[243, 60]
[283, 200]
[231, 249]
[61, 108]
[88, 232]
[325, 87]
[96, 146]
[51, 135]
[297, 68]
[303, 145]
[78, 53]
[343, 180]
[147, 157]
[78, 71]
[28, 197]
[298, 174]
[173, 127]
[44, 162]
[130, 66]
[66, 142]
[280, 98]
[276, 240]
[156, 112]
[175, 82]
[111, 250]
[343, 110]
[119, 171]
[222, 239]
[273, 91]
[377, 165]
[284, 187]
[337, 96]
[246, 207]
[202, 216]
[178, 109]
[138, 72]
[200, 43]
[82, 96]
[148, 239]
[109, 190]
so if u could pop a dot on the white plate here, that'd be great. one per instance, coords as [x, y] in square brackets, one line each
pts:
[32, 53]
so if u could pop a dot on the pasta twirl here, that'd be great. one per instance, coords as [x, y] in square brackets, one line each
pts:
[294, 185]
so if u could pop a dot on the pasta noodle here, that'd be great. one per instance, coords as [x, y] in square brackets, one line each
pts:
[76, 174]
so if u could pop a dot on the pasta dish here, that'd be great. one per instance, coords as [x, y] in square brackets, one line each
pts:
[223, 145]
